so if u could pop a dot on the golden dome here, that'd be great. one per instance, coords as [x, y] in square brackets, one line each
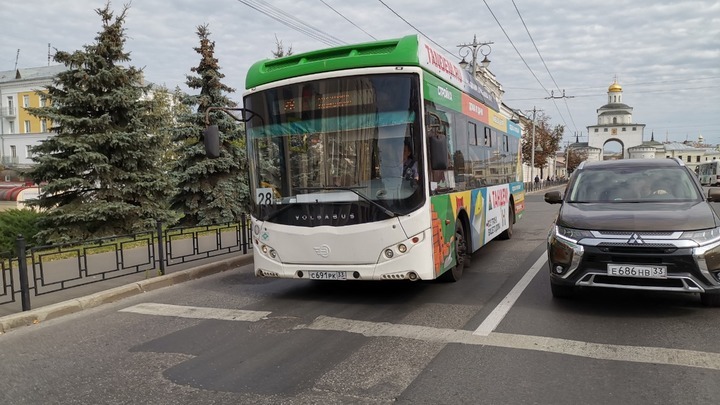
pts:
[615, 87]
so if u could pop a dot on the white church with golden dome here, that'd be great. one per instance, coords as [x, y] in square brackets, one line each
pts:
[614, 123]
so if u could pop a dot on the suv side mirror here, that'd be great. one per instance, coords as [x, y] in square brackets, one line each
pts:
[713, 195]
[554, 197]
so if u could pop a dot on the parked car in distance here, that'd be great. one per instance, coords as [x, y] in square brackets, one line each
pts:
[639, 224]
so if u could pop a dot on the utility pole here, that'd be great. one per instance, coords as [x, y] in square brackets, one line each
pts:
[532, 158]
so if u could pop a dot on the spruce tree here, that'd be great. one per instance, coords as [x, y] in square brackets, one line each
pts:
[210, 191]
[99, 172]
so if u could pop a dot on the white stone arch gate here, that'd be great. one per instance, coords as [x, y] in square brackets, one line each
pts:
[623, 148]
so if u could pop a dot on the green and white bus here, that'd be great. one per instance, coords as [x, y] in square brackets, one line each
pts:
[335, 195]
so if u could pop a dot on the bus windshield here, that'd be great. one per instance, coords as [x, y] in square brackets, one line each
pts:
[352, 139]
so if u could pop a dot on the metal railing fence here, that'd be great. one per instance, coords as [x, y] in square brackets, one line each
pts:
[52, 268]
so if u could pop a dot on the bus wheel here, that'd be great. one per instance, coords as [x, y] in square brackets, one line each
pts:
[507, 234]
[456, 272]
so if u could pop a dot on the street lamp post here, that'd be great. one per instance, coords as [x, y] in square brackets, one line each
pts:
[472, 50]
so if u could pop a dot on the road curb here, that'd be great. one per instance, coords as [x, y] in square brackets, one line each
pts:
[59, 309]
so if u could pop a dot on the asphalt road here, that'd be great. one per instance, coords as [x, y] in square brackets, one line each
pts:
[495, 337]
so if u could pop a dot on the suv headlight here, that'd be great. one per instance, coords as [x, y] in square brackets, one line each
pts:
[573, 235]
[703, 237]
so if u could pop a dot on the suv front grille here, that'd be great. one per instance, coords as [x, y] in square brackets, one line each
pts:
[654, 249]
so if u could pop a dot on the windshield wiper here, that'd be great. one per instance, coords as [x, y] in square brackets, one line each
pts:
[352, 189]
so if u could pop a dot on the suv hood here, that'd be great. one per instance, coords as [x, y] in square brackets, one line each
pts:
[675, 216]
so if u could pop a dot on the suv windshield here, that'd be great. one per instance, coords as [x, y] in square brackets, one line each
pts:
[633, 184]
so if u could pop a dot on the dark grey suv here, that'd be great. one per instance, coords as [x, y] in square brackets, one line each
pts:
[641, 224]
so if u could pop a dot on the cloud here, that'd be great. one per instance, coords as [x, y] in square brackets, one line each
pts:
[664, 53]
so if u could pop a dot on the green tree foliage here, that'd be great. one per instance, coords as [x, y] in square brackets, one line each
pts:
[165, 109]
[548, 139]
[18, 222]
[574, 157]
[99, 173]
[209, 190]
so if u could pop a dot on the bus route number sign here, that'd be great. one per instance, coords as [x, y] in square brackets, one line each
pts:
[264, 196]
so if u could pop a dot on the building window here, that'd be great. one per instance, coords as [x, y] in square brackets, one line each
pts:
[634, 128]
[28, 151]
[13, 151]
[488, 137]
[43, 101]
[697, 158]
[624, 129]
[614, 120]
[679, 157]
[26, 101]
[11, 127]
[11, 106]
[472, 133]
[27, 127]
[43, 125]
[604, 129]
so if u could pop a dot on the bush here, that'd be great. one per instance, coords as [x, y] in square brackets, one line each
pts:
[16, 222]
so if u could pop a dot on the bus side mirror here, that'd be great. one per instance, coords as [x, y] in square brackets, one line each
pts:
[438, 152]
[211, 138]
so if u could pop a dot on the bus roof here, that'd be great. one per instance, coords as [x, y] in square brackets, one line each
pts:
[392, 52]
[410, 50]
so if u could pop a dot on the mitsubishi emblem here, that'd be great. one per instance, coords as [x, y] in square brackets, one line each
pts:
[635, 239]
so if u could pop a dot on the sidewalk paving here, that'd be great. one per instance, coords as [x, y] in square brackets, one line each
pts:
[57, 304]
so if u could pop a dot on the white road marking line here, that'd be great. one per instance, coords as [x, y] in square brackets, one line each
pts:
[635, 354]
[197, 312]
[497, 315]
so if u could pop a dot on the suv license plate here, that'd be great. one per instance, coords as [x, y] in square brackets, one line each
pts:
[631, 270]
[327, 275]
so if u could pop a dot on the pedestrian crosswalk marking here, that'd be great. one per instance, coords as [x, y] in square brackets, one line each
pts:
[600, 351]
[182, 311]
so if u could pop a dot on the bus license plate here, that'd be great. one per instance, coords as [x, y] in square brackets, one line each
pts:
[327, 275]
[631, 270]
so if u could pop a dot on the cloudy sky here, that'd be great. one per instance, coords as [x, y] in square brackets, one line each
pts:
[665, 53]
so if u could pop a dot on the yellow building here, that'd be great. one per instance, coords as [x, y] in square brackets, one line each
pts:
[19, 130]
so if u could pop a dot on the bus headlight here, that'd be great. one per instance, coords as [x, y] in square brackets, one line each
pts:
[402, 248]
[269, 252]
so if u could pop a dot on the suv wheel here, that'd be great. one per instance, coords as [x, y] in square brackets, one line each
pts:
[710, 299]
[561, 291]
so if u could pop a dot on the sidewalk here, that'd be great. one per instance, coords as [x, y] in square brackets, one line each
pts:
[57, 304]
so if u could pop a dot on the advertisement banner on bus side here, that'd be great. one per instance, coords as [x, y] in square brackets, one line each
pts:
[497, 121]
[438, 62]
[439, 92]
[474, 109]
[514, 129]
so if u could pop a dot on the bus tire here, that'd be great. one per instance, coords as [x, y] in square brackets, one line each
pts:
[508, 233]
[461, 255]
